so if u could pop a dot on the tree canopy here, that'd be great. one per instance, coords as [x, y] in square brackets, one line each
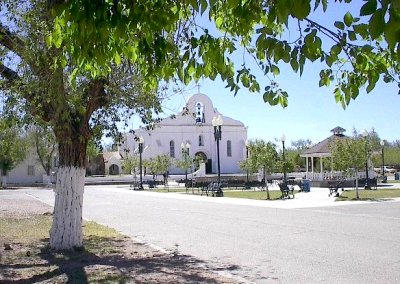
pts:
[262, 155]
[42, 138]
[197, 38]
[352, 154]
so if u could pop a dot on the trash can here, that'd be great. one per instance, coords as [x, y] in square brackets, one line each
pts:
[151, 183]
[396, 176]
[306, 185]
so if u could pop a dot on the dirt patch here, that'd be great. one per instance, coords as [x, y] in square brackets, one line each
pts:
[108, 258]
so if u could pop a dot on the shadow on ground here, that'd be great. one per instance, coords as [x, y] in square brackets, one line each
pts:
[105, 260]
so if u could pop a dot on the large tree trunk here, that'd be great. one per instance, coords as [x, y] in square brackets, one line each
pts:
[66, 231]
[3, 178]
[4, 181]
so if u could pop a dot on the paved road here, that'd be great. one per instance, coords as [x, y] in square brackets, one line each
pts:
[336, 244]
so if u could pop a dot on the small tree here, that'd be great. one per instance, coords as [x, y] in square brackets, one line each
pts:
[130, 165]
[163, 163]
[263, 155]
[45, 145]
[13, 148]
[349, 156]
[246, 165]
[185, 164]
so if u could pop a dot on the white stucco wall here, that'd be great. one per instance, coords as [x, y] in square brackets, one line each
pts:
[19, 175]
[113, 161]
[184, 128]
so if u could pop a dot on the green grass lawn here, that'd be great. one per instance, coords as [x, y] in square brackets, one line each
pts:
[370, 194]
[259, 195]
[171, 189]
[228, 192]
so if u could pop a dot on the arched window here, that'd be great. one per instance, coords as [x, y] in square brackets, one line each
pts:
[201, 140]
[229, 148]
[172, 149]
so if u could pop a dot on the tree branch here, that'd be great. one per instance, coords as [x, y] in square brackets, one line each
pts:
[11, 40]
[97, 98]
[8, 73]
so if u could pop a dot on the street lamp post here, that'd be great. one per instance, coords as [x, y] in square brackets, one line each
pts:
[141, 141]
[217, 124]
[185, 152]
[283, 139]
[365, 135]
[247, 167]
[383, 160]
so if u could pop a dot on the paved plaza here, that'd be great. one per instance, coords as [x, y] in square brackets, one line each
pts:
[309, 239]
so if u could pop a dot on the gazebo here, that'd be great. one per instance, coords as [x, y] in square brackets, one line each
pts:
[321, 151]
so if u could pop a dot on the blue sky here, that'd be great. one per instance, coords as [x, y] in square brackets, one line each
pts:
[312, 111]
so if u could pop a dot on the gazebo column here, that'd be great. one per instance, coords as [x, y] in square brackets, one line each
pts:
[312, 165]
[321, 168]
[307, 168]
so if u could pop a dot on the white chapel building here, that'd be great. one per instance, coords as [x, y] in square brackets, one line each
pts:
[193, 125]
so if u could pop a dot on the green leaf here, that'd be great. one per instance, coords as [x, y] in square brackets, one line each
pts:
[372, 79]
[377, 24]
[203, 6]
[336, 49]
[283, 101]
[294, 64]
[368, 8]
[362, 30]
[275, 70]
[352, 35]
[324, 5]
[219, 21]
[300, 9]
[339, 25]
[245, 80]
[117, 58]
[348, 19]
[392, 32]
[302, 61]
[329, 60]
[370, 86]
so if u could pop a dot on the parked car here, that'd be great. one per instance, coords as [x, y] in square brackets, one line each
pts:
[387, 169]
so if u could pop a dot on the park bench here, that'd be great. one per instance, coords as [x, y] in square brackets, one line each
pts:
[136, 186]
[286, 191]
[374, 183]
[213, 188]
[302, 186]
[382, 179]
[334, 186]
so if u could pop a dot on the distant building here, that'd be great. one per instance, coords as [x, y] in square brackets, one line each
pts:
[193, 125]
[112, 163]
[319, 152]
[30, 171]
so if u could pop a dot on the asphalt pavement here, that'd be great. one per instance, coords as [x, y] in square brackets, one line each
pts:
[309, 239]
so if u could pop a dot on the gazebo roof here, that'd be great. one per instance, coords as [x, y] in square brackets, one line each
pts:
[322, 148]
[338, 130]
